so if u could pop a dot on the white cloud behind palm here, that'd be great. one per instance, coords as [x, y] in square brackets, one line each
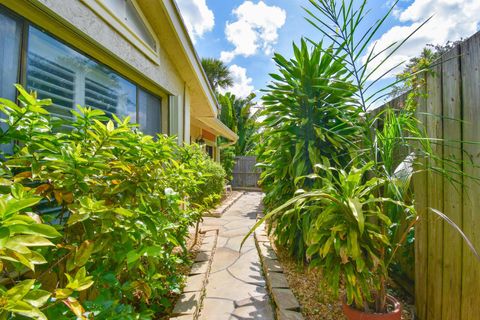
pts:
[451, 20]
[246, 33]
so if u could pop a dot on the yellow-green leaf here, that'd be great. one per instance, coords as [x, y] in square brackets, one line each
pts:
[356, 207]
[37, 298]
[18, 291]
[63, 293]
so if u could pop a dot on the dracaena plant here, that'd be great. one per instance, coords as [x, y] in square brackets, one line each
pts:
[307, 115]
[119, 201]
[360, 215]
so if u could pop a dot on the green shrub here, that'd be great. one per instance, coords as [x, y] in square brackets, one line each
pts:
[227, 159]
[214, 176]
[214, 184]
[117, 200]
[210, 173]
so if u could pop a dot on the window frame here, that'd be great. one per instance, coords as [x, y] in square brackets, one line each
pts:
[22, 52]
[104, 13]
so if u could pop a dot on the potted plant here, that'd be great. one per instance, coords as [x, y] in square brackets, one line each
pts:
[349, 238]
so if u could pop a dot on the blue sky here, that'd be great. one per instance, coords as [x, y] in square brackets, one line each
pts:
[249, 31]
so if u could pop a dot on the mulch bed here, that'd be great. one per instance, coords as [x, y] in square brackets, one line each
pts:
[318, 302]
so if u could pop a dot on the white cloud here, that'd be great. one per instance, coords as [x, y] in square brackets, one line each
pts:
[452, 20]
[197, 16]
[242, 84]
[256, 28]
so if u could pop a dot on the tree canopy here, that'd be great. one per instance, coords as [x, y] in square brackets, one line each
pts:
[217, 73]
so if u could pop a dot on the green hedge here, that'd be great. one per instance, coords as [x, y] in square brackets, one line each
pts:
[120, 204]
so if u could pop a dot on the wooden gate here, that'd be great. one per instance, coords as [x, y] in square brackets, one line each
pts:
[245, 174]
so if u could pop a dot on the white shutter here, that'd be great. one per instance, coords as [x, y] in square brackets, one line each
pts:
[52, 81]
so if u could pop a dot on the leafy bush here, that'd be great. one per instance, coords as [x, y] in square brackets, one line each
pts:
[210, 173]
[227, 159]
[93, 213]
[214, 175]
[213, 187]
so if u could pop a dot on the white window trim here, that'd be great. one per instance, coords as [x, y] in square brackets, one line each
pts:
[131, 36]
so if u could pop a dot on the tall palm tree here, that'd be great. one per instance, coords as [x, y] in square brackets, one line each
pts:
[217, 73]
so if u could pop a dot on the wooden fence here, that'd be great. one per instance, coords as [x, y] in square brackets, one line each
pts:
[245, 174]
[447, 274]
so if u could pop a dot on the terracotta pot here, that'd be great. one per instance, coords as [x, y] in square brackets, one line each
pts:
[354, 314]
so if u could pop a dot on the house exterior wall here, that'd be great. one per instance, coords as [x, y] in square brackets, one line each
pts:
[76, 24]
[186, 117]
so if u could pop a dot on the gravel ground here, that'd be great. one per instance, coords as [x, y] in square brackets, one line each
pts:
[318, 303]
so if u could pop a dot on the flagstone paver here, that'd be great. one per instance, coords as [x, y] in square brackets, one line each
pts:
[236, 288]
[199, 268]
[188, 303]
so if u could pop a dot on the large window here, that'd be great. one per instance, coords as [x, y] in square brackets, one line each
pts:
[69, 78]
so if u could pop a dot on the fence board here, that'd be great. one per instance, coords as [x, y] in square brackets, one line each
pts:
[471, 201]
[435, 196]
[452, 196]
[420, 187]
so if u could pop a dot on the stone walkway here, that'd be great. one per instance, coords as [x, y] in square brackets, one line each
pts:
[236, 288]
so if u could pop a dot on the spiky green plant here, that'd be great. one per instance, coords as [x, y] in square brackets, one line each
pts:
[308, 114]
